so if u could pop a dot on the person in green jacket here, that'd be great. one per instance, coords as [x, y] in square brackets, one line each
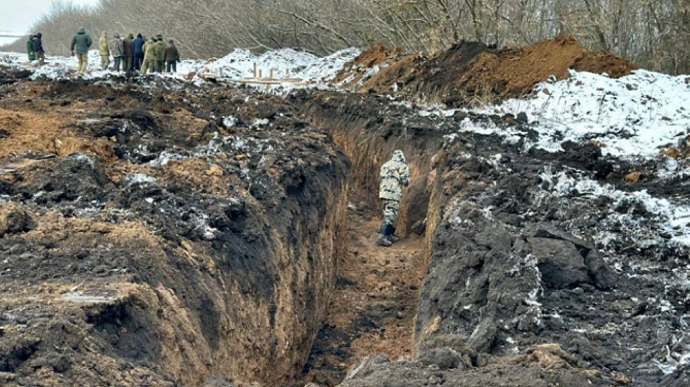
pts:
[150, 56]
[103, 50]
[30, 48]
[160, 58]
[81, 43]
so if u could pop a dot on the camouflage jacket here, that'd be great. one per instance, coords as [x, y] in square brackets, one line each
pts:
[150, 50]
[103, 44]
[394, 175]
[115, 47]
[160, 51]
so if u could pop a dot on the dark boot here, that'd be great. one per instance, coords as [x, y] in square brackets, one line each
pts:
[392, 237]
[383, 241]
[384, 232]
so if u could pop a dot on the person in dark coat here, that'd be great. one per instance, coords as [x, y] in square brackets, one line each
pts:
[138, 48]
[128, 48]
[30, 48]
[172, 56]
[38, 49]
[81, 42]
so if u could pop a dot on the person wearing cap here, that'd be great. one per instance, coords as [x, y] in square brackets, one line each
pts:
[128, 53]
[138, 47]
[38, 48]
[116, 48]
[150, 56]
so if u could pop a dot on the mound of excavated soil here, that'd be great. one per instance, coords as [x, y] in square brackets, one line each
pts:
[471, 72]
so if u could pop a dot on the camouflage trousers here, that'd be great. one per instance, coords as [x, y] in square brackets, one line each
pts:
[390, 211]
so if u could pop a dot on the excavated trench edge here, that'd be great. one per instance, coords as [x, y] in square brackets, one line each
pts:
[366, 152]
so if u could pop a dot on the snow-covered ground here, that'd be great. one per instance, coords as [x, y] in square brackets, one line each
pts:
[646, 219]
[299, 66]
[633, 116]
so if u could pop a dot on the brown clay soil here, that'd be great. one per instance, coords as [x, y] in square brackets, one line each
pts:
[373, 306]
[140, 244]
[471, 73]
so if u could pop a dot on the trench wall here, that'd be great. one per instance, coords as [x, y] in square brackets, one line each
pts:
[217, 263]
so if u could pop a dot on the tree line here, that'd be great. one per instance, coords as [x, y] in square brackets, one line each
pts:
[652, 33]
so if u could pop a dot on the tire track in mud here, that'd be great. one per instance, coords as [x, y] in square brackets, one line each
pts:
[373, 306]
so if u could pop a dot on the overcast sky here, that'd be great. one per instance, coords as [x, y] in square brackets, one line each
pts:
[19, 15]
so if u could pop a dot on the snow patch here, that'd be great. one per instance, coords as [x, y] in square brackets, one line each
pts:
[632, 116]
[140, 178]
[637, 209]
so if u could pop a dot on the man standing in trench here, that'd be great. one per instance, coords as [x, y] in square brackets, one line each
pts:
[394, 176]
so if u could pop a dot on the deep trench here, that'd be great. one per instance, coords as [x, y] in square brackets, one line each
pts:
[373, 307]
[249, 305]
[308, 275]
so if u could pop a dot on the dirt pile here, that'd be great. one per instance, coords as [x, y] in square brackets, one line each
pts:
[474, 73]
[162, 238]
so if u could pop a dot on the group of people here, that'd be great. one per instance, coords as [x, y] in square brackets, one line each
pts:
[34, 48]
[129, 54]
[138, 53]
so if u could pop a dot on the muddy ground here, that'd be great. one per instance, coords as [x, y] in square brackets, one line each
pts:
[162, 234]
[517, 287]
[147, 240]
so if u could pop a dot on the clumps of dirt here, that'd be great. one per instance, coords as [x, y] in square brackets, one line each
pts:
[161, 236]
[603, 62]
[378, 69]
[542, 366]
[498, 240]
[14, 219]
[10, 75]
[473, 73]
[680, 152]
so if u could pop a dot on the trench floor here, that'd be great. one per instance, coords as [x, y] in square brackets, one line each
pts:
[374, 304]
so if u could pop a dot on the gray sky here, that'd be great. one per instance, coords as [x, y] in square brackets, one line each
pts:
[19, 15]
